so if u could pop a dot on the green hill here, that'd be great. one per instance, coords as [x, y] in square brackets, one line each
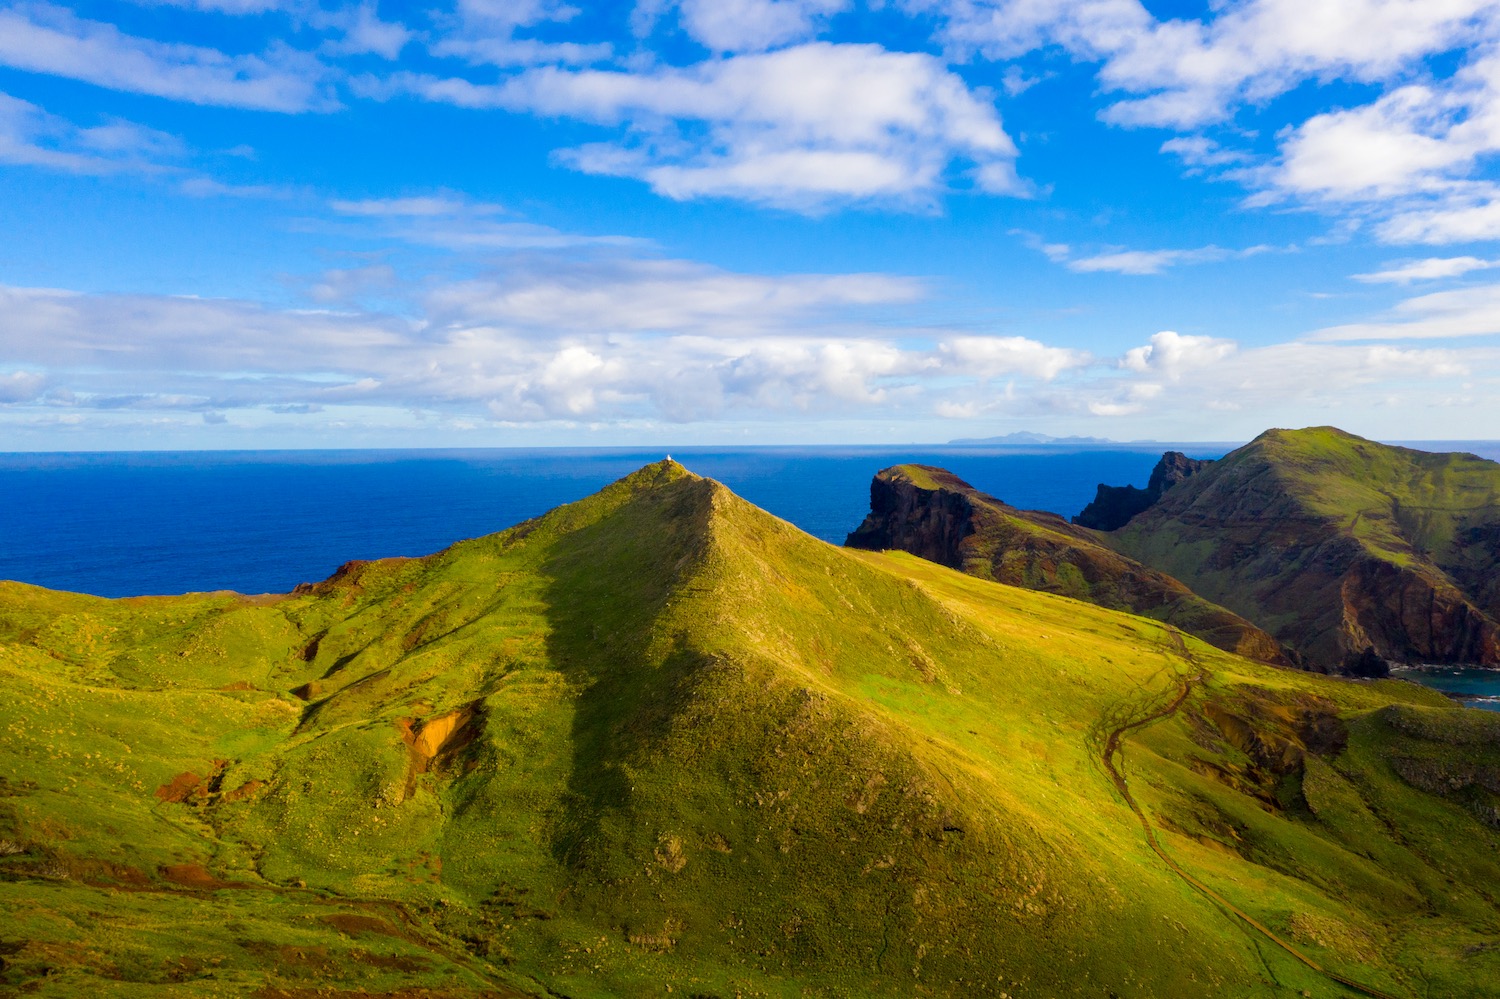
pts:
[659, 741]
[1336, 545]
[932, 513]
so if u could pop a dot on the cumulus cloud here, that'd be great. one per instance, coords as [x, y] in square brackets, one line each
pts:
[1190, 72]
[1171, 355]
[993, 357]
[1413, 160]
[1298, 378]
[43, 38]
[544, 337]
[800, 127]
[1410, 159]
[552, 337]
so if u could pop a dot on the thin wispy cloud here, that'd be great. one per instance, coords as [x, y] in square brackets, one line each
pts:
[43, 38]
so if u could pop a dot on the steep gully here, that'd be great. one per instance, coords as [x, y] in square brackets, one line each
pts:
[1111, 749]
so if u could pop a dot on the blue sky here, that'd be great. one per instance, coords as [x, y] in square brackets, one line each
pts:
[284, 223]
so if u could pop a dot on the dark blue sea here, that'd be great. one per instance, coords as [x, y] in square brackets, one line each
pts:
[131, 523]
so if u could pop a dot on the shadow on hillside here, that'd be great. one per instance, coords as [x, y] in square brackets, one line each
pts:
[611, 582]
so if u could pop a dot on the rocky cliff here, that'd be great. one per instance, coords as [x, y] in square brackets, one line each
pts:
[1114, 506]
[935, 515]
[1346, 550]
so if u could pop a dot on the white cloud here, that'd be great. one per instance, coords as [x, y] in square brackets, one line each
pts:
[363, 32]
[42, 38]
[1461, 220]
[1464, 312]
[236, 7]
[421, 206]
[1144, 261]
[31, 136]
[1412, 161]
[993, 357]
[485, 32]
[1191, 72]
[455, 223]
[549, 337]
[20, 386]
[351, 284]
[638, 296]
[1170, 355]
[1431, 269]
[1395, 146]
[1176, 379]
[801, 127]
[1202, 152]
[655, 341]
[1136, 262]
[755, 25]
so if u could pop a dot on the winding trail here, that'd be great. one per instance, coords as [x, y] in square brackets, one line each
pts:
[1107, 756]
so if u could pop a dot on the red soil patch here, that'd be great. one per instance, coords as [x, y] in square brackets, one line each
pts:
[249, 789]
[348, 923]
[195, 876]
[188, 787]
[182, 787]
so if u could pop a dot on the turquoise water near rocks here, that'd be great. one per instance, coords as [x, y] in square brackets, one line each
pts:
[1471, 685]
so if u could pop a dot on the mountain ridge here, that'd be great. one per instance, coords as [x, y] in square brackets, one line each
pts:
[935, 515]
[1339, 545]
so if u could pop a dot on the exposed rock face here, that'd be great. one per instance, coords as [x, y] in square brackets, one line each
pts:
[1114, 506]
[935, 515]
[1348, 551]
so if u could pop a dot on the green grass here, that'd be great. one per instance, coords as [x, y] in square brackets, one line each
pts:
[705, 751]
[1273, 531]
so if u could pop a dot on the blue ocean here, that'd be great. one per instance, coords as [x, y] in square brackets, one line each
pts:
[126, 524]
[132, 523]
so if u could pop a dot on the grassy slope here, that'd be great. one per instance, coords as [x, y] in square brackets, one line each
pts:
[1293, 488]
[711, 753]
[1042, 551]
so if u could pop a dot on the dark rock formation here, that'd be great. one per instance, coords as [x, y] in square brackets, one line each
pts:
[1351, 553]
[1114, 506]
[935, 515]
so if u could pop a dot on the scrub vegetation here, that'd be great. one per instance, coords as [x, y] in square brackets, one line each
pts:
[658, 741]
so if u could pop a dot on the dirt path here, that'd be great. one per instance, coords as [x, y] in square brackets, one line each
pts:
[1111, 750]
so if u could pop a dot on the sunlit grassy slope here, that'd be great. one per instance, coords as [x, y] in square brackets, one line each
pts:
[1334, 543]
[659, 740]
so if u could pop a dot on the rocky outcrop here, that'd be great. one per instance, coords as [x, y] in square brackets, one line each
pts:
[1351, 553]
[935, 515]
[1114, 506]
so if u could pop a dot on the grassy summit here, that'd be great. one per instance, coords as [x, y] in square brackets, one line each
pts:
[1336, 544]
[659, 740]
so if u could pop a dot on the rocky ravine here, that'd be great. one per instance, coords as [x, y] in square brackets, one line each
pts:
[935, 515]
[1350, 552]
